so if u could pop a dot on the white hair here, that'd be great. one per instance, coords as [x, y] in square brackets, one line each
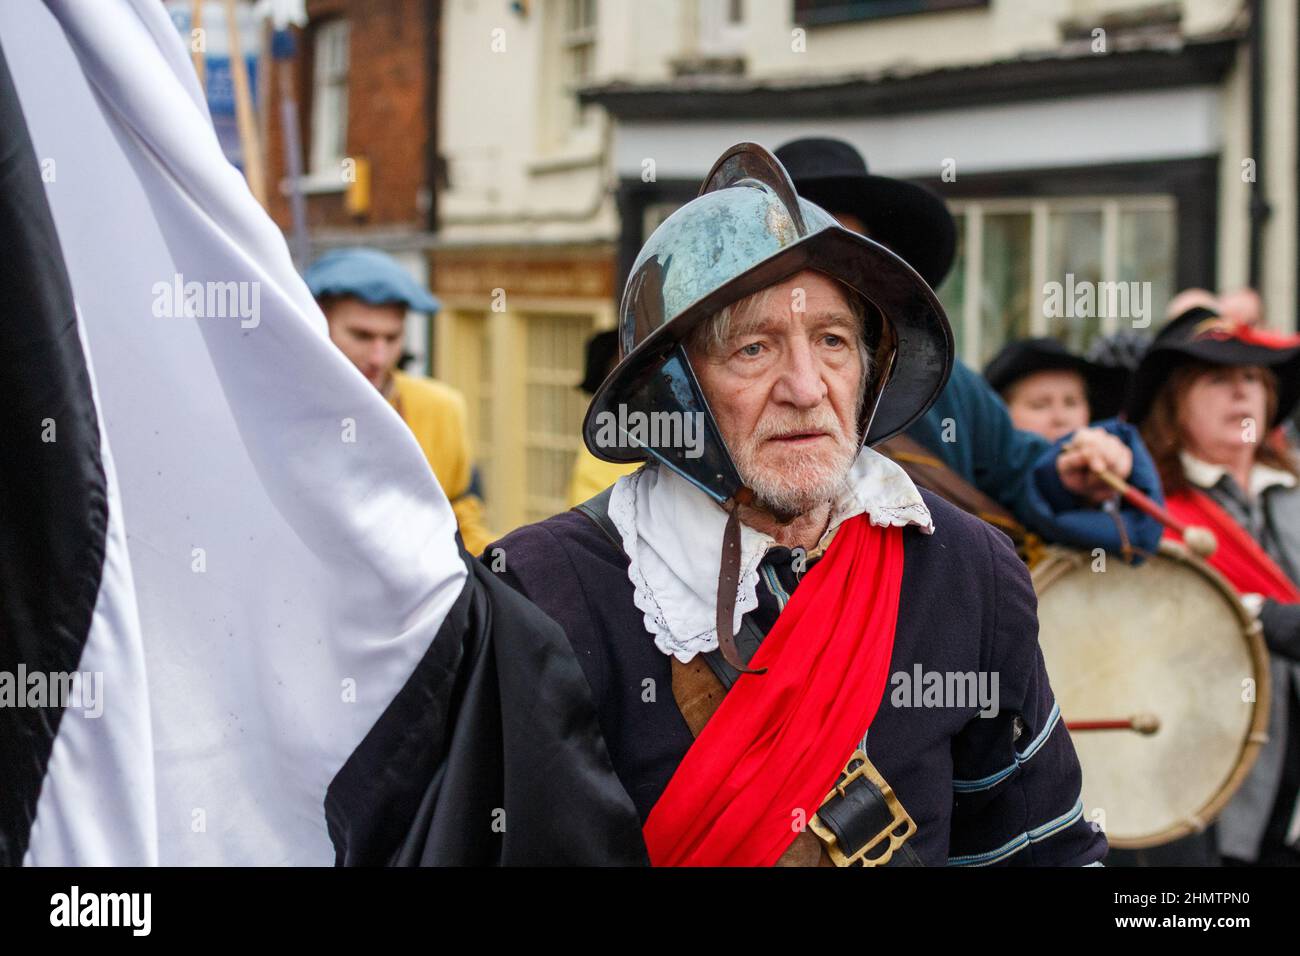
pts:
[712, 334]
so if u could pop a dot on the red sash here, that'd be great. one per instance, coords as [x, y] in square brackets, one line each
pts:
[1238, 558]
[778, 741]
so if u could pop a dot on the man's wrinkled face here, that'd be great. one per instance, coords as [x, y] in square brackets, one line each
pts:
[785, 385]
[370, 335]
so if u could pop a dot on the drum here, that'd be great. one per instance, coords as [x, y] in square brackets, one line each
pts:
[1167, 645]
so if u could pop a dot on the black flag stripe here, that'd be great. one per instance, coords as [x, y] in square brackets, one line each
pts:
[53, 496]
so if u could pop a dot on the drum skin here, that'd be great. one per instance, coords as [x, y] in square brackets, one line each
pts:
[1168, 638]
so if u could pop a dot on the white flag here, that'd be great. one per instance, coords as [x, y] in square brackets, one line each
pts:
[278, 555]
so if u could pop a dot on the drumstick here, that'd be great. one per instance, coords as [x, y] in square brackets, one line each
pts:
[1200, 540]
[1142, 723]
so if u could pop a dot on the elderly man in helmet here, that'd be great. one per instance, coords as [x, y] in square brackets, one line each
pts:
[794, 656]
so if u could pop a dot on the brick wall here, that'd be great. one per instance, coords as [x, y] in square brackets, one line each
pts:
[388, 112]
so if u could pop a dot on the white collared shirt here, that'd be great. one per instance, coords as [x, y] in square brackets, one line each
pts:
[1262, 477]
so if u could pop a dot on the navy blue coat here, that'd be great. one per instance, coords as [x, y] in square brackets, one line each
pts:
[1000, 789]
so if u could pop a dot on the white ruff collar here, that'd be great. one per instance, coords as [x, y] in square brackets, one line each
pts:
[672, 534]
[1206, 475]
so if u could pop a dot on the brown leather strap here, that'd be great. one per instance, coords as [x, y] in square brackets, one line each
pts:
[805, 850]
[698, 694]
[697, 691]
[728, 584]
[931, 473]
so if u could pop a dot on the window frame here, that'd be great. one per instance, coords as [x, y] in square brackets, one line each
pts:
[810, 13]
[569, 41]
[319, 163]
[1040, 209]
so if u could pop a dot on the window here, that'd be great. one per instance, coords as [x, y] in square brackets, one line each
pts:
[329, 97]
[817, 12]
[654, 215]
[556, 350]
[720, 27]
[1022, 265]
[465, 362]
[577, 59]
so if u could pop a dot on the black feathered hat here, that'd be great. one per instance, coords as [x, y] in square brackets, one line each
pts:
[909, 219]
[1017, 360]
[1207, 337]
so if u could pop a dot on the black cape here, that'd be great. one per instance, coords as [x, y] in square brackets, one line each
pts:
[491, 754]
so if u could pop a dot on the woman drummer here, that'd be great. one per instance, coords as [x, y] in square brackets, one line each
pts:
[1051, 391]
[1206, 396]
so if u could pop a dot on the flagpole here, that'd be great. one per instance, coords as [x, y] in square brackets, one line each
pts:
[199, 56]
[264, 93]
[283, 55]
[250, 147]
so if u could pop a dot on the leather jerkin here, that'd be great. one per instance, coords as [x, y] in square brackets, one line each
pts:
[698, 694]
[931, 473]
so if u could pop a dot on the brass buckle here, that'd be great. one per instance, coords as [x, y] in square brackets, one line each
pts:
[899, 818]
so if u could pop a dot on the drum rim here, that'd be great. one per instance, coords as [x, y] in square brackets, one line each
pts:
[1057, 561]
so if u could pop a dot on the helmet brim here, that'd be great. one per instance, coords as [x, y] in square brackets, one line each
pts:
[924, 342]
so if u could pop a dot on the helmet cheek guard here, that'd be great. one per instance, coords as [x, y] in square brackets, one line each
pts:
[667, 417]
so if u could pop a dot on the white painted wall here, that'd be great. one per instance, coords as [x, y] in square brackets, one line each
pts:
[510, 182]
[1166, 124]
[1278, 279]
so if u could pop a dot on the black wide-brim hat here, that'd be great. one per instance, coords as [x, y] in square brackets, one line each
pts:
[1216, 341]
[1106, 386]
[602, 353]
[909, 219]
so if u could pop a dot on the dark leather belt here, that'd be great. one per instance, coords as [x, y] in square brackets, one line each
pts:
[861, 822]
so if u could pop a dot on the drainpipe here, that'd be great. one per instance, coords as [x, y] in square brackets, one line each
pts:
[432, 163]
[1259, 208]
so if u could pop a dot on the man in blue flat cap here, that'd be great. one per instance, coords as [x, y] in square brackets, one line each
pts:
[365, 295]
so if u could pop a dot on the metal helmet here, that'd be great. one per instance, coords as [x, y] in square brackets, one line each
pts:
[746, 230]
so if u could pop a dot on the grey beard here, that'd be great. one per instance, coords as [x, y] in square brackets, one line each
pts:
[786, 504]
[787, 500]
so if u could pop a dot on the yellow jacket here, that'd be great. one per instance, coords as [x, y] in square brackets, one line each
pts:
[591, 476]
[435, 413]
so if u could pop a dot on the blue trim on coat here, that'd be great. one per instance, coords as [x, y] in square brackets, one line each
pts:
[1018, 843]
[984, 783]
